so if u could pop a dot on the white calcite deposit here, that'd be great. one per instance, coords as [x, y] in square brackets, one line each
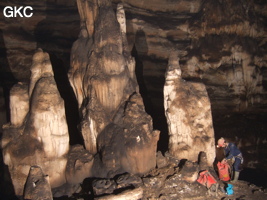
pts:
[38, 132]
[188, 113]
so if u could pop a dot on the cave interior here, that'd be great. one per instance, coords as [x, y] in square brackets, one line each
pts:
[225, 51]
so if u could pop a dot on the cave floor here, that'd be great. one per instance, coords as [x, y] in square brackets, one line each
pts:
[168, 183]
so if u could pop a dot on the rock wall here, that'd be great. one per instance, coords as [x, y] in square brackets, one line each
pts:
[188, 113]
[102, 76]
[37, 133]
[210, 43]
[227, 50]
[37, 185]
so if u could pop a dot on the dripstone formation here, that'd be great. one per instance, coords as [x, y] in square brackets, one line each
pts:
[37, 134]
[116, 129]
[188, 113]
[114, 123]
[117, 132]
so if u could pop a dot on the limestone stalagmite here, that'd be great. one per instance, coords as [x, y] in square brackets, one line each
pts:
[102, 75]
[38, 133]
[188, 113]
[19, 104]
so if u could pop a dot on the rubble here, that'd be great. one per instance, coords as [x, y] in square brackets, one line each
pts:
[37, 186]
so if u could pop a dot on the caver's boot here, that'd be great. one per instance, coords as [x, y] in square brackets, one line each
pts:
[236, 176]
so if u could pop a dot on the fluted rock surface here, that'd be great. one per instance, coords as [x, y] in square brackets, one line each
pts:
[38, 133]
[129, 143]
[103, 79]
[188, 113]
[19, 104]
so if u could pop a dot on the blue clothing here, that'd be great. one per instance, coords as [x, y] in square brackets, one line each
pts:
[232, 151]
[237, 164]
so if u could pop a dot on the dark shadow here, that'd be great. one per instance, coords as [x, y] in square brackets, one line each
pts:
[139, 52]
[71, 104]
[182, 163]
[56, 35]
[7, 80]
[254, 176]
[87, 188]
[6, 187]
[141, 82]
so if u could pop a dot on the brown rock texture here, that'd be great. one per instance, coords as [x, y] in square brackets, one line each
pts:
[79, 165]
[208, 37]
[212, 38]
[37, 186]
[172, 182]
[37, 134]
[114, 122]
[19, 104]
[134, 194]
[221, 43]
[23, 35]
[188, 113]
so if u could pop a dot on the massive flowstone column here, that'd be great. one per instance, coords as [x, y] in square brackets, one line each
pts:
[188, 113]
[103, 78]
[38, 132]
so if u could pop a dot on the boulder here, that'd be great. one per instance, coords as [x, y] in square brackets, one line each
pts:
[189, 172]
[133, 194]
[79, 165]
[37, 186]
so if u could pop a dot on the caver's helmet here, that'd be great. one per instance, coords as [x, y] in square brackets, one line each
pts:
[221, 141]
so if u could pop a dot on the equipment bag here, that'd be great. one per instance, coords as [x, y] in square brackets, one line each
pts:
[229, 189]
[206, 179]
[223, 169]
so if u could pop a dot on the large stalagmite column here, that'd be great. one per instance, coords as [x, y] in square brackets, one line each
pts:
[102, 75]
[188, 113]
[38, 132]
